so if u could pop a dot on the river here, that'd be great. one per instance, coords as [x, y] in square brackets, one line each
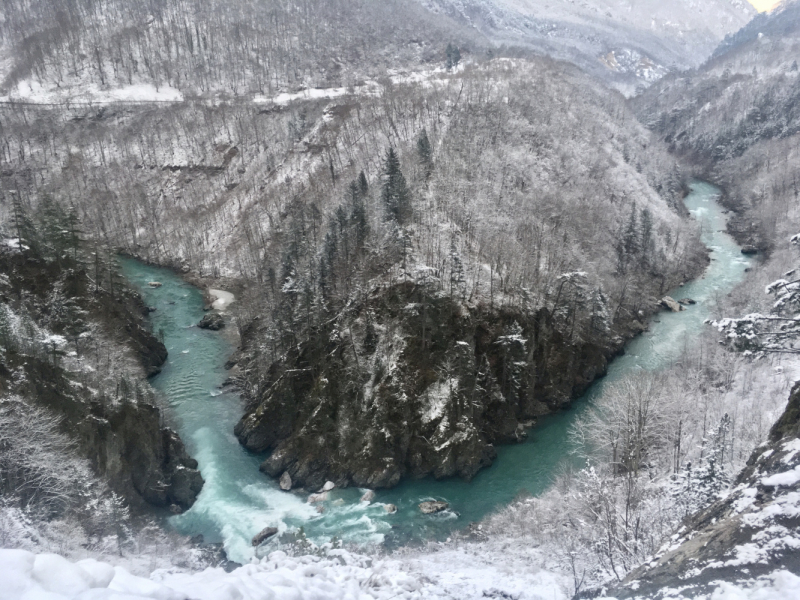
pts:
[238, 501]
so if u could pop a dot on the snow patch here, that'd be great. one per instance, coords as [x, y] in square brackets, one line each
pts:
[787, 478]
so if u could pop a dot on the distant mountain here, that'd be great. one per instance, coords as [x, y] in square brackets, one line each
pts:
[747, 93]
[213, 47]
[623, 41]
[202, 48]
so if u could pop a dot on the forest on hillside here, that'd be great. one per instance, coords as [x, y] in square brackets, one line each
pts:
[433, 242]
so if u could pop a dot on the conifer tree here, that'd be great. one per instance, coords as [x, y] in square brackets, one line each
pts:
[425, 154]
[630, 239]
[23, 226]
[453, 56]
[646, 246]
[457, 280]
[396, 195]
[358, 215]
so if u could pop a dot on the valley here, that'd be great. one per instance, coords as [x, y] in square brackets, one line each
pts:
[421, 299]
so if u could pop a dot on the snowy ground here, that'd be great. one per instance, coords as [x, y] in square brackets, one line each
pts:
[222, 299]
[470, 571]
[338, 575]
[32, 91]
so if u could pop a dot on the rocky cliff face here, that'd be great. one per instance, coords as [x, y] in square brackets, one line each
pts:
[746, 537]
[90, 377]
[414, 384]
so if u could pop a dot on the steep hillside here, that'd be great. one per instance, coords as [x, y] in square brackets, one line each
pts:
[522, 228]
[74, 350]
[626, 43]
[109, 49]
[185, 48]
[737, 119]
[748, 540]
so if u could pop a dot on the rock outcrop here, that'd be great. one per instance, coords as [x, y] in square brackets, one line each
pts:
[426, 388]
[750, 533]
[431, 507]
[212, 321]
[671, 304]
[123, 437]
[264, 535]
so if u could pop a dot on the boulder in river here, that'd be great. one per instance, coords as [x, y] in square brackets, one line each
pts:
[368, 496]
[390, 508]
[431, 507]
[212, 321]
[749, 250]
[687, 301]
[329, 485]
[264, 535]
[286, 481]
[155, 284]
[314, 498]
[671, 304]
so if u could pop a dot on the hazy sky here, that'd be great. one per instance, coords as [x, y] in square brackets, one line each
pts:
[763, 5]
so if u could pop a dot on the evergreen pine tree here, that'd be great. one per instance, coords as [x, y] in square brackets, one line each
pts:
[370, 336]
[646, 245]
[396, 195]
[630, 238]
[457, 279]
[363, 186]
[425, 154]
[358, 215]
[23, 226]
[453, 56]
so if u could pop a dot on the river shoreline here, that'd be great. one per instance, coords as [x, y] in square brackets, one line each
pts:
[239, 501]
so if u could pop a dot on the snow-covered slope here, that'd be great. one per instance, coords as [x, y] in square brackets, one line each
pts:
[747, 539]
[448, 574]
[626, 42]
[332, 575]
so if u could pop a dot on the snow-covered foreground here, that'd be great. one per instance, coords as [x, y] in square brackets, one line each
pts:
[456, 573]
[451, 574]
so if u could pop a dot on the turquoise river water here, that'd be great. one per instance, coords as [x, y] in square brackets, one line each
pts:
[238, 501]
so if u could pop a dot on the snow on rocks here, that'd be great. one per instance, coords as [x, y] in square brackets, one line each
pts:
[431, 507]
[785, 479]
[52, 577]
[222, 299]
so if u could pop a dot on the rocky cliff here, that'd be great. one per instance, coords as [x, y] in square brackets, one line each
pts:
[413, 384]
[81, 350]
[742, 539]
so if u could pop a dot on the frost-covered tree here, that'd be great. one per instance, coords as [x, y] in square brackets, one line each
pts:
[697, 486]
[777, 332]
[626, 425]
